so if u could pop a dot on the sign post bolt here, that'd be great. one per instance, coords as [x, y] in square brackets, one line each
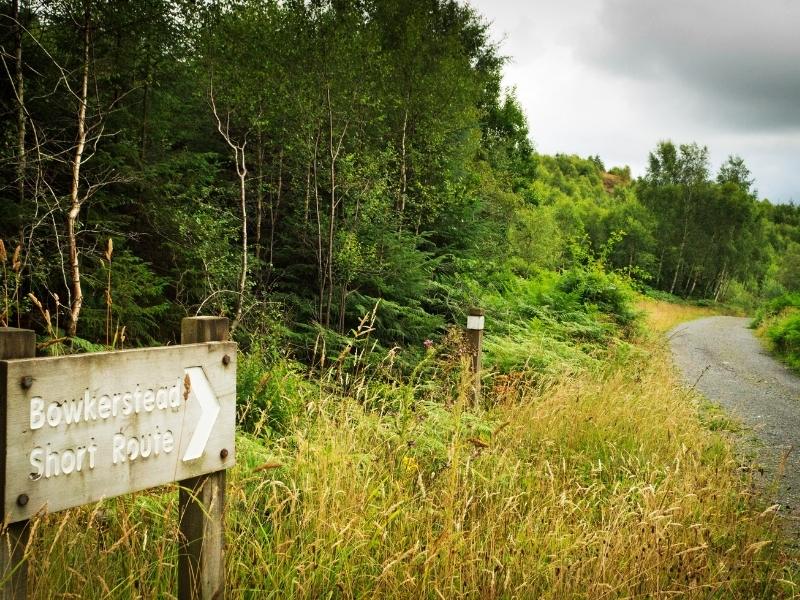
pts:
[475, 323]
[22, 499]
[226, 360]
[26, 382]
[223, 454]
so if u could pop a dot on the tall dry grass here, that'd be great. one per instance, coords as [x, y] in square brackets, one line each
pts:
[602, 485]
[661, 316]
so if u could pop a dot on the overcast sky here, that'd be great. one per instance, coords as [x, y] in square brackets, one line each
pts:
[613, 77]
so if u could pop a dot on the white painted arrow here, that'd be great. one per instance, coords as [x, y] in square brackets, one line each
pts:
[209, 409]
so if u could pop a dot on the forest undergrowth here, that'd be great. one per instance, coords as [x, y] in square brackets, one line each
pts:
[587, 479]
[777, 322]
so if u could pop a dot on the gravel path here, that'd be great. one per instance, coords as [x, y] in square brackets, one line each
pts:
[722, 358]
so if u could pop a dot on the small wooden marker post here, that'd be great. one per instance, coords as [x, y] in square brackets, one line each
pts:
[201, 503]
[475, 323]
[14, 343]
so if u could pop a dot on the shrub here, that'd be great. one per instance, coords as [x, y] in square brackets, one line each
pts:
[594, 288]
[270, 391]
[784, 335]
[775, 306]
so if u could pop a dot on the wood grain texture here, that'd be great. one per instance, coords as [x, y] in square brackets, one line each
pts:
[201, 504]
[195, 330]
[17, 343]
[201, 561]
[71, 381]
[474, 339]
[15, 538]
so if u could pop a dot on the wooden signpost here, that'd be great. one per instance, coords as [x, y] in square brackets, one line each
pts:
[474, 334]
[76, 429]
[14, 343]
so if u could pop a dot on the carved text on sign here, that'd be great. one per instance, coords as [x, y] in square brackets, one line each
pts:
[72, 412]
[99, 425]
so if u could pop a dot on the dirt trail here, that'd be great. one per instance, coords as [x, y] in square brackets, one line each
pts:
[722, 358]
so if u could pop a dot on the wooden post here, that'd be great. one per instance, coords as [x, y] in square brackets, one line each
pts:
[201, 504]
[14, 343]
[475, 321]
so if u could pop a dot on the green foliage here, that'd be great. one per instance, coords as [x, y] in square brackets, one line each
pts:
[736, 172]
[788, 273]
[742, 295]
[385, 164]
[708, 237]
[775, 306]
[79, 345]
[785, 335]
[535, 239]
[271, 390]
[137, 301]
[597, 290]
[548, 322]
[778, 321]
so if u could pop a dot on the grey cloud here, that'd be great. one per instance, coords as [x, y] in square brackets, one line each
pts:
[612, 77]
[741, 58]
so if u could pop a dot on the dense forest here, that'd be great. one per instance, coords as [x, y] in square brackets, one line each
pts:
[293, 164]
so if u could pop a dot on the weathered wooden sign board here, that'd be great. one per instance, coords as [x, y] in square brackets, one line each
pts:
[77, 429]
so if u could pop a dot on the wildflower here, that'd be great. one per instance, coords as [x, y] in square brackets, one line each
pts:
[428, 344]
